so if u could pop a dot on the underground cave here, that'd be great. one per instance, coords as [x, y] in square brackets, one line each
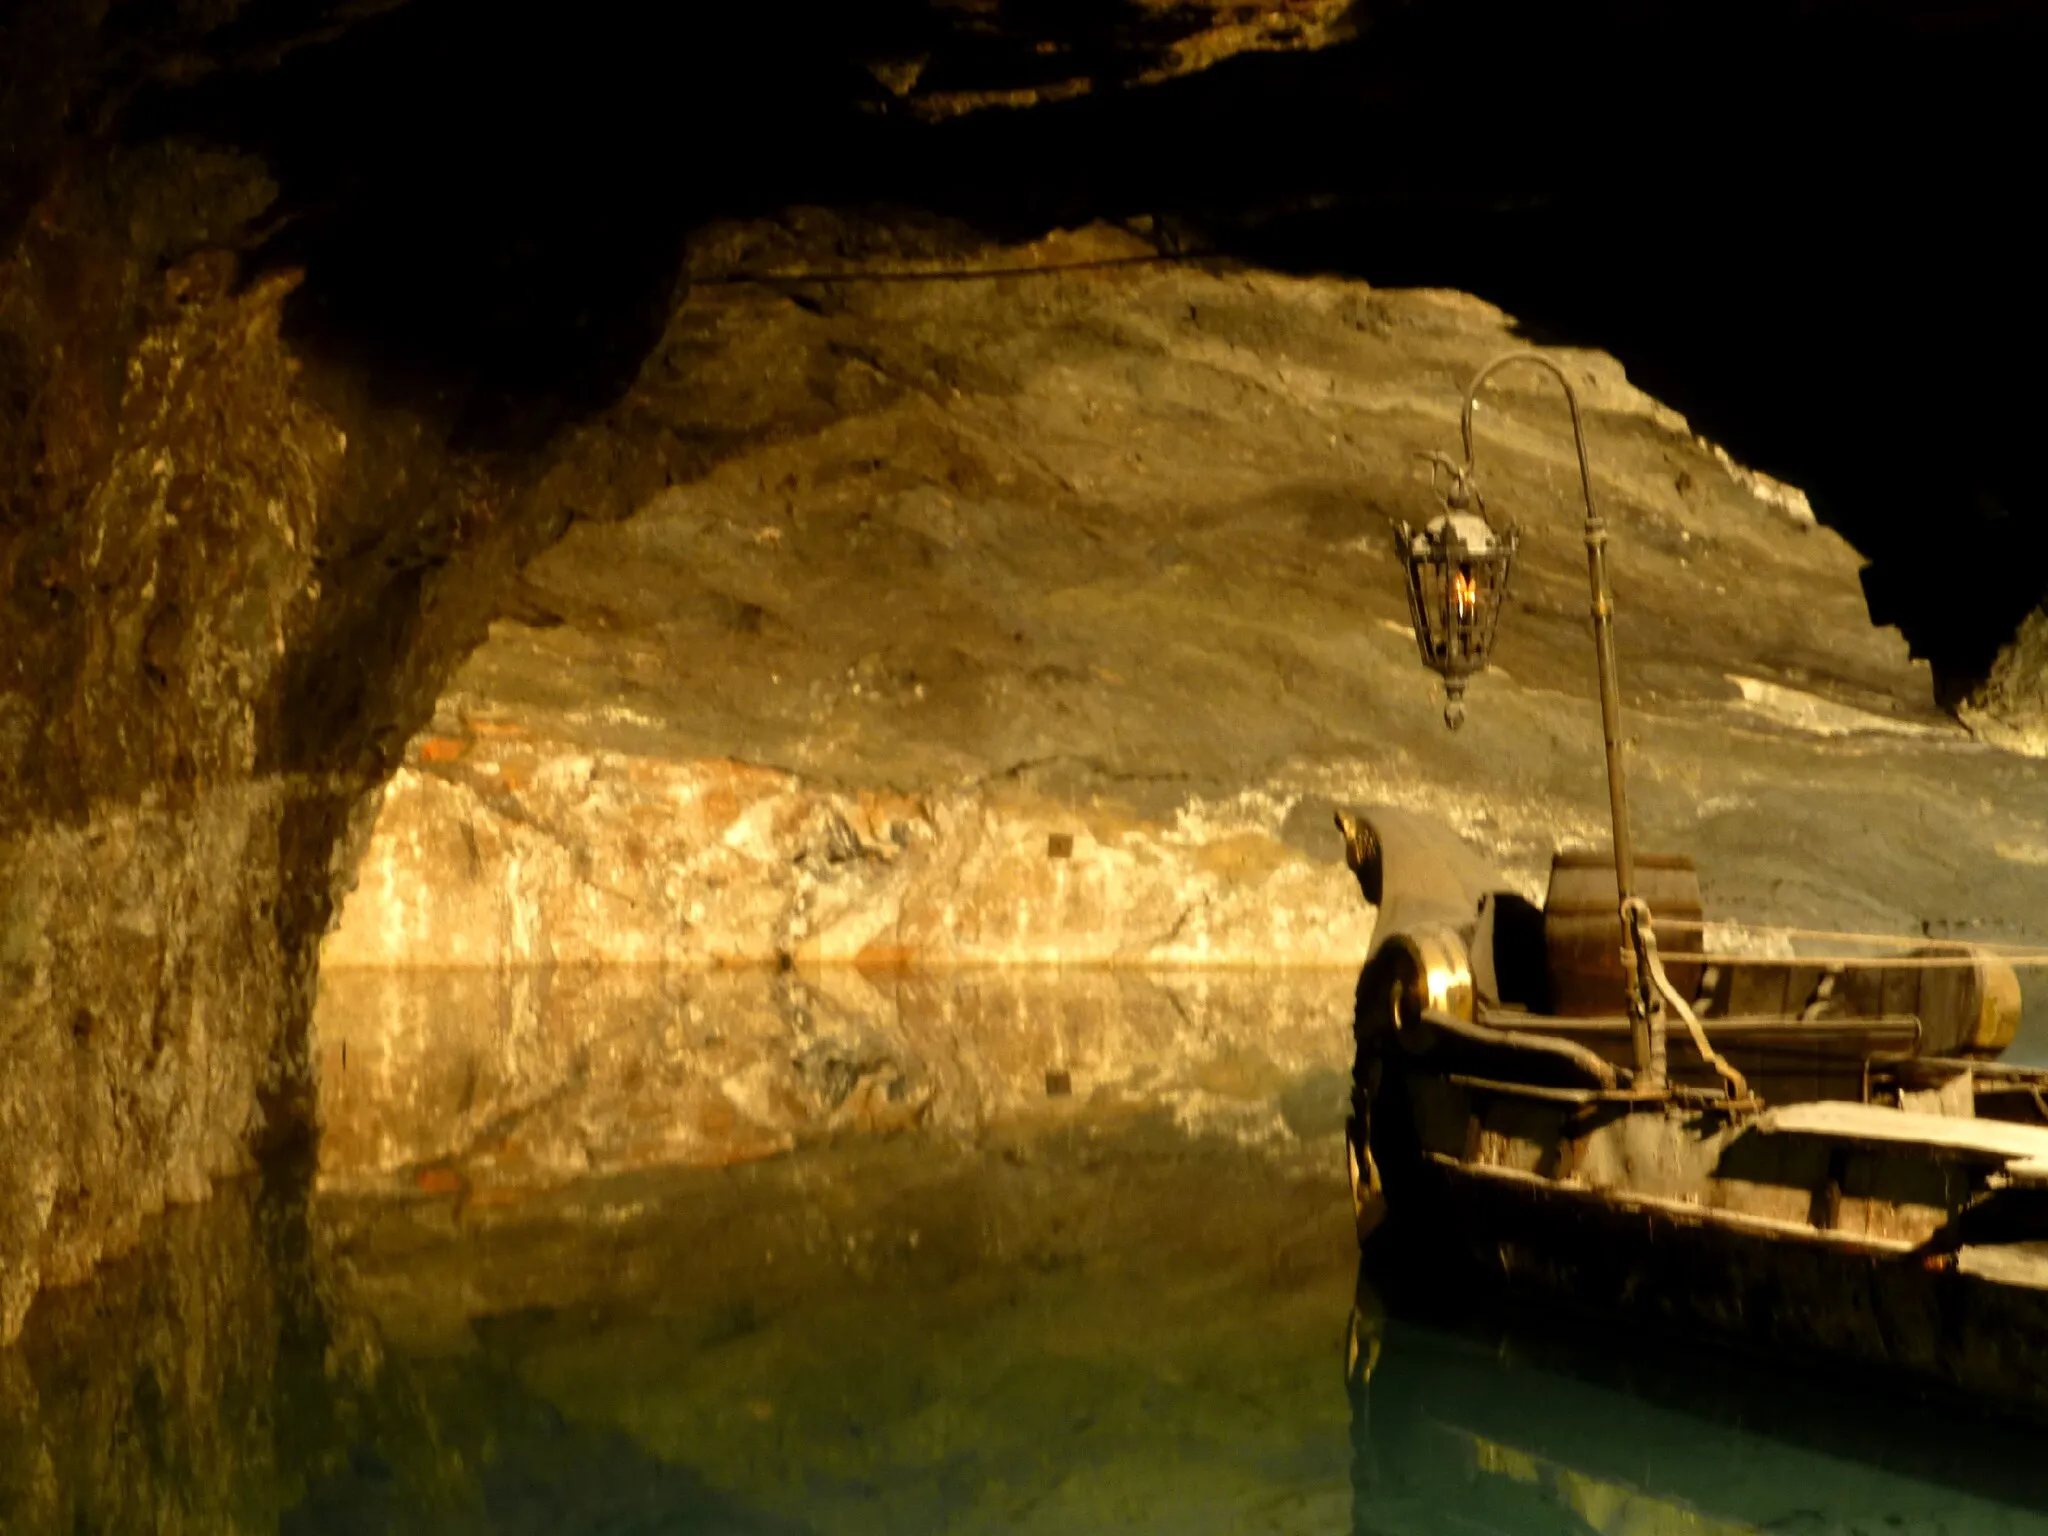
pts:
[673, 688]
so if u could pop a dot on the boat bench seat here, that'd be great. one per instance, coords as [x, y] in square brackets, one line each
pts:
[1537, 967]
[1965, 1008]
[2021, 1150]
[1786, 1060]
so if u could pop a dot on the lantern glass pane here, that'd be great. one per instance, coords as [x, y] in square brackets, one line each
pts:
[1457, 577]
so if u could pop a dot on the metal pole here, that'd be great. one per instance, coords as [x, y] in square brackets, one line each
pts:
[1645, 1010]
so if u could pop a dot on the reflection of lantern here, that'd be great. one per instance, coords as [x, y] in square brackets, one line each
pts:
[1457, 575]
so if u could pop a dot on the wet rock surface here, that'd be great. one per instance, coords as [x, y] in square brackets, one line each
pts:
[165, 492]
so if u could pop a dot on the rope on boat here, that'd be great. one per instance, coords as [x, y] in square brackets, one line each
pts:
[1738, 1086]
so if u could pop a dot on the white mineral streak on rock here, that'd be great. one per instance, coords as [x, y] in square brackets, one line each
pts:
[1823, 717]
[2010, 708]
[1737, 939]
[1775, 494]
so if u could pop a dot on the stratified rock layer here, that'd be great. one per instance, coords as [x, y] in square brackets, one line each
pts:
[2010, 707]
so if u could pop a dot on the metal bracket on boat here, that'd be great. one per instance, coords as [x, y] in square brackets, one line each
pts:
[1638, 910]
[1823, 993]
[1582, 1059]
[1645, 1005]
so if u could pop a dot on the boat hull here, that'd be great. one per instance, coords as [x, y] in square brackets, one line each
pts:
[1792, 1245]
[1926, 1318]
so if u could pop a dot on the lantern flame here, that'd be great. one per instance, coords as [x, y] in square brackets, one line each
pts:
[1464, 593]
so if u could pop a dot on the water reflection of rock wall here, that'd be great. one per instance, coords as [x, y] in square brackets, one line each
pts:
[905, 1334]
[493, 1078]
[144, 1401]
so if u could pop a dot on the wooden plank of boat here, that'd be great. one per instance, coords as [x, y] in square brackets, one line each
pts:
[1770, 1025]
[1995, 1141]
[1684, 1212]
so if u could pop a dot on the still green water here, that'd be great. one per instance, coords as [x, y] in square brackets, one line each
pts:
[1105, 1325]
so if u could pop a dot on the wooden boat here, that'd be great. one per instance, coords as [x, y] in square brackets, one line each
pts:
[1836, 1163]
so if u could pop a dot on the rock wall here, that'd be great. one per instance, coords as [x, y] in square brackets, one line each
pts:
[233, 584]
[2010, 707]
[522, 852]
[166, 490]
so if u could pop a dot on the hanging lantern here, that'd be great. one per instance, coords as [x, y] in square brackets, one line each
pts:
[1457, 575]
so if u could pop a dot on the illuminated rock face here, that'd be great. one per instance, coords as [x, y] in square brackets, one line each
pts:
[1043, 619]
[538, 854]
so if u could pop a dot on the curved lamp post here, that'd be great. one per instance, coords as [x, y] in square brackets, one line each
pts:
[1457, 570]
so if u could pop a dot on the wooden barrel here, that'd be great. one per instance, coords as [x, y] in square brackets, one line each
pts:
[1582, 928]
[1966, 1009]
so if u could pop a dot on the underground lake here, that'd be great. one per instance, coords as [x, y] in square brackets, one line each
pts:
[1106, 1311]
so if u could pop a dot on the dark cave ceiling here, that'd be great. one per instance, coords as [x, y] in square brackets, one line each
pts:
[1804, 225]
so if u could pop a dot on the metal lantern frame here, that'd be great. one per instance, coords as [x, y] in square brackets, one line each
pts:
[1458, 568]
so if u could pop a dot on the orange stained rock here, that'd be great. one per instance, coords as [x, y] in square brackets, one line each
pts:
[438, 1181]
[887, 957]
[499, 1195]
